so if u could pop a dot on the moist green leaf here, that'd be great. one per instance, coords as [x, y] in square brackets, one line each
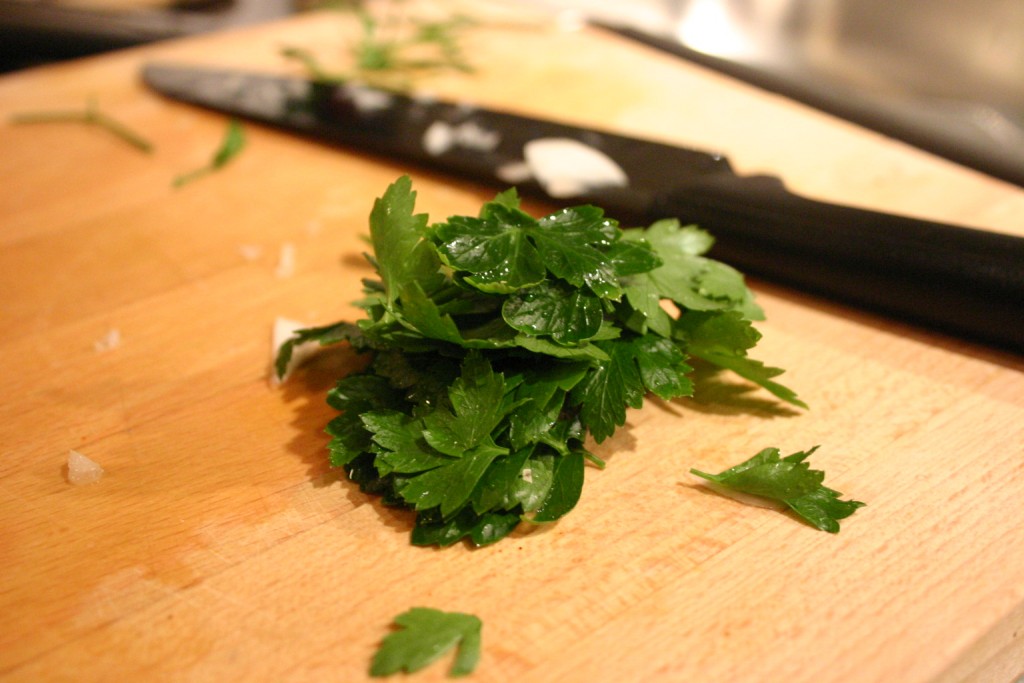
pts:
[424, 635]
[791, 481]
[543, 396]
[402, 255]
[635, 365]
[723, 338]
[495, 489]
[478, 404]
[547, 347]
[508, 198]
[495, 250]
[506, 249]
[521, 480]
[823, 509]
[418, 312]
[575, 242]
[662, 367]
[692, 281]
[449, 487]
[354, 396]
[644, 297]
[481, 529]
[566, 487]
[566, 314]
[400, 444]
[532, 487]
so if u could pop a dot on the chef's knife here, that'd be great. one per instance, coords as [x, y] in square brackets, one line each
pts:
[963, 281]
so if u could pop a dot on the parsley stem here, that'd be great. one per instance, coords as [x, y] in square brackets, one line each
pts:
[90, 116]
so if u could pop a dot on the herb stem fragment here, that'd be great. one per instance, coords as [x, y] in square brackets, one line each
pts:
[91, 115]
[233, 143]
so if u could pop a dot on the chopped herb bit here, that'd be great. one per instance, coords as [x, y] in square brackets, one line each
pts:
[392, 50]
[91, 115]
[425, 634]
[233, 143]
[490, 365]
[791, 481]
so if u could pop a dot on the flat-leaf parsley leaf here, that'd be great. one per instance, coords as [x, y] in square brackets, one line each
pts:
[789, 480]
[425, 634]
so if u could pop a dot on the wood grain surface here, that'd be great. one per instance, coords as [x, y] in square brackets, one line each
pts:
[219, 546]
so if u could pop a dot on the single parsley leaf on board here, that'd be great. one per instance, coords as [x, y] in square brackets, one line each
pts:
[230, 147]
[789, 480]
[425, 634]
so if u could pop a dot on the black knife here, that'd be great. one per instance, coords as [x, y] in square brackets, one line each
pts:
[958, 280]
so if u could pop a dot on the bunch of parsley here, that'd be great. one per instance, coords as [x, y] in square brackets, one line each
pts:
[499, 343]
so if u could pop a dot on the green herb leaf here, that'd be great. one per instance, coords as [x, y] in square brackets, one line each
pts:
[690, 280]
[635, 365]
[566, 314]
[481, 529]
[448, 488]
[400, 252]
[325, 336]
[723, 338]
[478, 405]
[789, 480]
[425, 634]
[566, 487]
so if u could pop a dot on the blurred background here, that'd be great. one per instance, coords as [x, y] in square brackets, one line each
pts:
[944, 75]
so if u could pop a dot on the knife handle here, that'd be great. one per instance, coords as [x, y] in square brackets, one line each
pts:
[962, 281]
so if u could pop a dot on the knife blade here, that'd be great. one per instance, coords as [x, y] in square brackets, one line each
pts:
[958, 280]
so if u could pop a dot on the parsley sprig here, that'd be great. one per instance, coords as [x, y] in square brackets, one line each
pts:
[500, 342]
[393, 50]
[424, 635]
[789, 480]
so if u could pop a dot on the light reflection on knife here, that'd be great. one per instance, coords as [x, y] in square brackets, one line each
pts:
[959, 280]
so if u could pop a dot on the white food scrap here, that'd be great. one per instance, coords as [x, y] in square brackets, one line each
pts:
[566, 168]
[82, 470]
[286, 261]
[108, 342]
[250, 252]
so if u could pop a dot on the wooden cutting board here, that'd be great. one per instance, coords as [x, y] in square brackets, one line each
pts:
[220, 546]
